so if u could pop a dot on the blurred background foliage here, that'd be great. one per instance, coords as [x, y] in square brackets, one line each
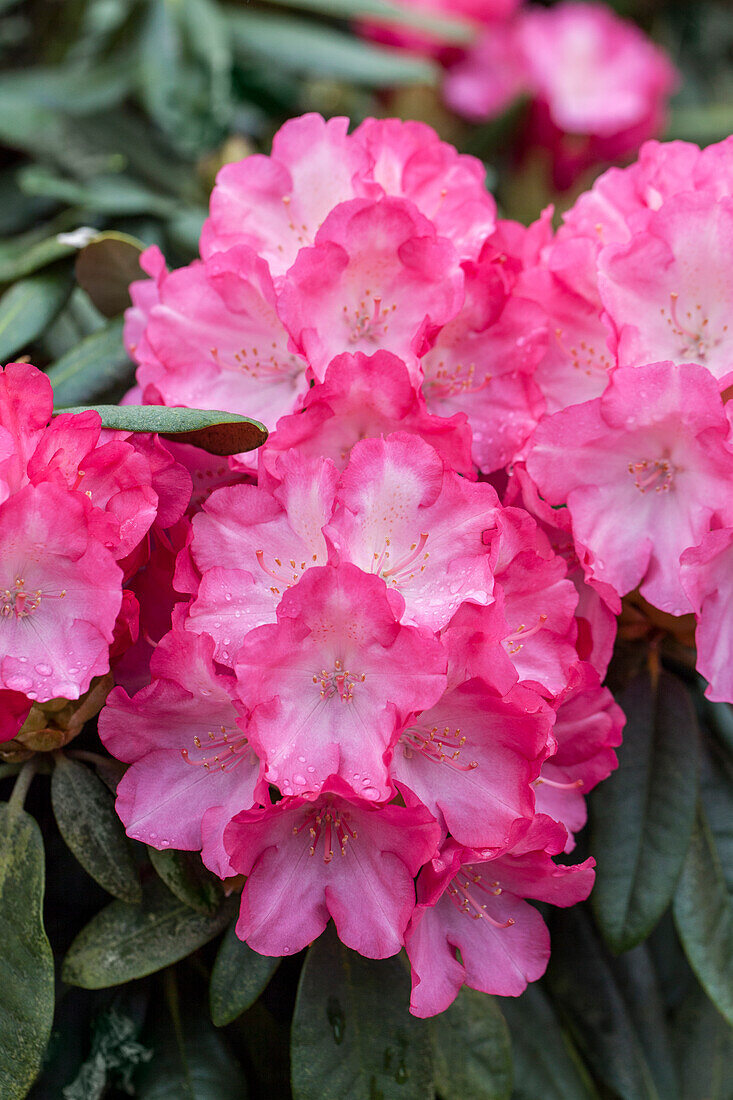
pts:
[115, 115]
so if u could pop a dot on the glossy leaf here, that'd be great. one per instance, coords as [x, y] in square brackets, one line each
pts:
[642, 815]
[26, 962]
[581, 983]
[27, 308]
[237, 979]
[472, 1049]
[96, 363]
[129, 941]
[185, 876]
[105, 268]
[220, 433]
[86, 817]
[704, 1049]
[353, 1037]
[703, 914]
[305, 47]
[545, 1062]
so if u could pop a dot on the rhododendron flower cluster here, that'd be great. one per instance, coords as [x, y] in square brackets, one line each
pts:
[76, 506]
[371, 680]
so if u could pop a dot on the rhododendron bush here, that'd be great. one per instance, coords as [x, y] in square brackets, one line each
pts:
[366, 662]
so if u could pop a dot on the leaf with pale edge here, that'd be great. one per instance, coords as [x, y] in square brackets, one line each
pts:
[26, 962]
[353, 1037]
[238, 978]
[642, 815]
[106, 267]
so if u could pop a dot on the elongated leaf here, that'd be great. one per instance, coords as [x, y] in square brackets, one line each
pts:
[353, 1037]
[642, 816]
[15, 263]
[238, 978]
[220, 433]
[85, 814]
[703, 914]
[190, 1061]
[472, 1049]
[26, 962]
[28, 307]
[704, 1048]
[582, 986]
[185, 876]
[447, 29]
[129, 941]
[105, 194]
[105, 268]
[92, 367]
[545, 1062]
[637, 982]
[306, 47]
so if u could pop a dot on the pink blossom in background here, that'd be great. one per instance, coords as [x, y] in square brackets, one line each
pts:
[707, 573]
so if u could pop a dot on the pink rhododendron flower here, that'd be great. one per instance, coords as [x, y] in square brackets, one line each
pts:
[471, 759]
[376, 277]
[362, 396]
[339, 857]
[60, 591]
[476, 906]
[188, 755]
[332, 681]
[251, 544]
[416, 524]
[707, 575]
[14, 709]
[644, 469]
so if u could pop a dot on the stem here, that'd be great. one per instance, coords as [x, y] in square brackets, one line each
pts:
[90, 757]
[9, 769]
[22, 783]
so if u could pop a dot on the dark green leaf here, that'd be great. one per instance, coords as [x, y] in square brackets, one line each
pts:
[28, 307]
[106, 267]
[190, 1061]
[129, 941]
[104, 194]
[86, 817]
[220, 433]
[319, 51]
[353, 1037]
[447, 29]
[238, 978]
[185, 876]
[582, 985]
[26, 962]
[703, 914]
[472, 1050]
[642, 815]
[96, 363]
[716, 795]
[704, 1048]
[15, 262]
[545, 1063]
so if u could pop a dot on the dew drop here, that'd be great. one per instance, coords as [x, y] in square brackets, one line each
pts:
[371, 792]
[44, 670]
[165, 843]
[310, 769]
[335, 1015]
[227, 596]
[301, 760]
[153, 836]
[299, 779]
[401, 1073]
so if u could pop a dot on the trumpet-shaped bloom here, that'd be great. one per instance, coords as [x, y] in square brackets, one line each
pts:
[707, 571]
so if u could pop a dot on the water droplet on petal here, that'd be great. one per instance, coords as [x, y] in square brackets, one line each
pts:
[371, 792]
[44, 670]
[299, 779]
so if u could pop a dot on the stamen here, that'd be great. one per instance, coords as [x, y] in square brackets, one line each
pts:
[441, 746]
[657, 473]
[512, 640]
[558, 786]
[19, 603]
[228, 751]
[330, 823]
[464, 900]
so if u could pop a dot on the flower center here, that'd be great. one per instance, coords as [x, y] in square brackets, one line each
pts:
[463, 890]
[515, 641]
[262, 363]
[441, 746]
[329, 824]
[17, 602]
[691, 329]
[281, 574]
[458, 379]
[339, 682]
[220, 750]
[405, 568]
[369, 321]
[657, 474]
[584, 357]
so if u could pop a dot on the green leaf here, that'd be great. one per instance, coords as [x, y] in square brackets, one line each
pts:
[28, 307]
[318, 51]
[125, 941]
[86, 817]
[26, 962]
[220, 433]
[447, 29]
[545, 1062]
[116, 195]
[106, 267]
[582, 985]
[238, 978]
[97, 363]
[703, 915]
[190, 1061]
[472, 1049]
[185, 876]
[19, 258]
[353, 1037]
[704, 1048]
[642, 815]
